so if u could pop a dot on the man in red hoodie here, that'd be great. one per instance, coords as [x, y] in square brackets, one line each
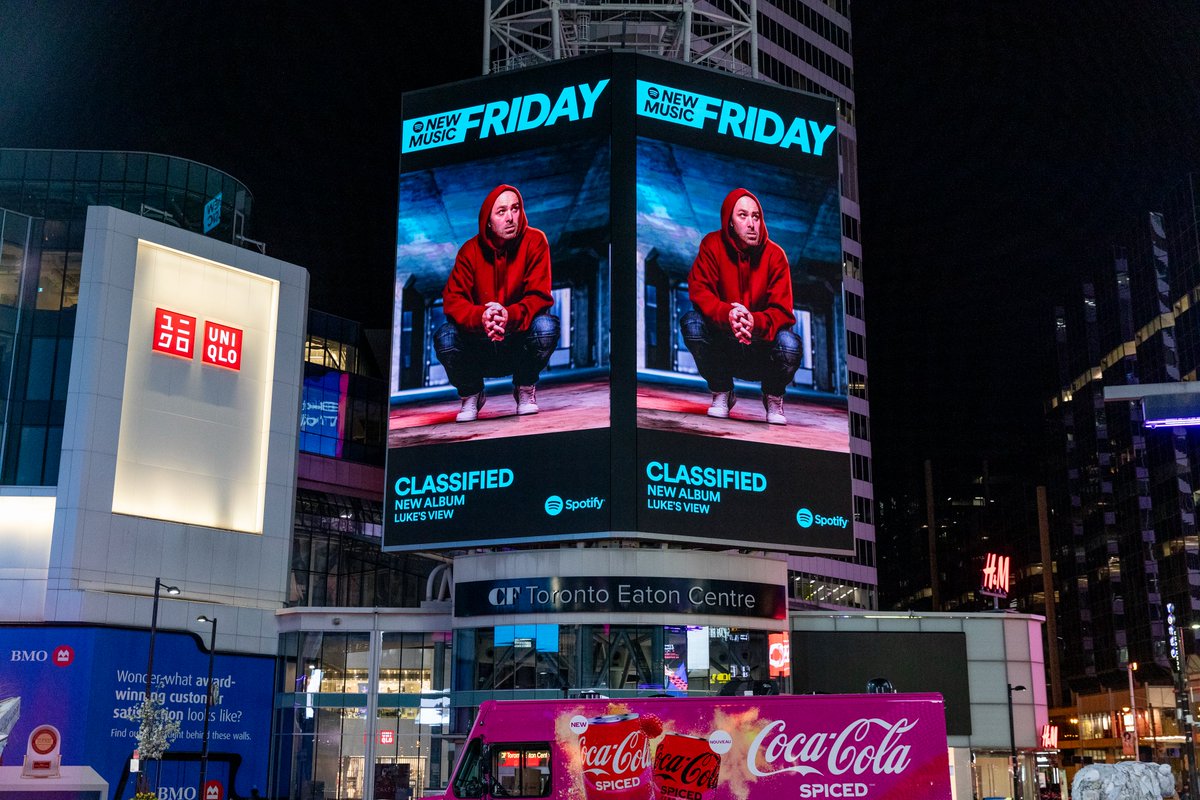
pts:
[496, 302]
[741, 288]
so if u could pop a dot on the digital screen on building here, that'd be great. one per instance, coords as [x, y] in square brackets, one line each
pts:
[843, 662]
[651, 345]
[498, 424]
[741, 395]
[89, 683]
[323, 413]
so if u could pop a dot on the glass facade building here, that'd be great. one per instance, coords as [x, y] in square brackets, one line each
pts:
[38, 297]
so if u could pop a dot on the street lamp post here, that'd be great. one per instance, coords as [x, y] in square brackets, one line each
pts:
[1185, 709]
[171, 590]
[1012, 742]
[212, 641]
[1131, 667]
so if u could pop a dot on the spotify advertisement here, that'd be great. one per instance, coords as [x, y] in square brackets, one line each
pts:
[498, 420]
[741, 359]
[618, 312]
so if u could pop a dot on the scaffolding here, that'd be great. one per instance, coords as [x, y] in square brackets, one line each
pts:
[722, 34]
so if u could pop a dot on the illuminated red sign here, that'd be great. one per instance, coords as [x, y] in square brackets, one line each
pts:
[779, 655]
[1049, 739]
[387, 737]
[214, 790]
[222, 346]
[995, 575]
[174, 333]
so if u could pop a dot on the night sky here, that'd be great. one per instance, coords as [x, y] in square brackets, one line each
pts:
[1003, 148]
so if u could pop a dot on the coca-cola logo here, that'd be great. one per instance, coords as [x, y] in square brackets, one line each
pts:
[628, 757]
[865, 745]
[699, 770]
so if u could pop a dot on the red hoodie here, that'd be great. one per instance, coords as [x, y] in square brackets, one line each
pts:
[514, 273]
[726, 272]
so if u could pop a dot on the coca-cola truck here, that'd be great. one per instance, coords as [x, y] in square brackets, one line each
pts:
[873, 746]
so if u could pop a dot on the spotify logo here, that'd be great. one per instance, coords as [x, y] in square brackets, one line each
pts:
[806, 519]
[554, 505]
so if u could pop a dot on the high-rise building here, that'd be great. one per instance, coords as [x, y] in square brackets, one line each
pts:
[1124, 466]
[801, 44]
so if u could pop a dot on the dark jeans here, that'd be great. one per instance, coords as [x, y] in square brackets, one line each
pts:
[721, 358]
[471, 357]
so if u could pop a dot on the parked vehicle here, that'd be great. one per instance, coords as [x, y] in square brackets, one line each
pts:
[871, 746]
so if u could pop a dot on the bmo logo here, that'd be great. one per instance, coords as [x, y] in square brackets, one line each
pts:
[60, 656]
[175, 335]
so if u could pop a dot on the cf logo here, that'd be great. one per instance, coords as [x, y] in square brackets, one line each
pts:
[504, 596]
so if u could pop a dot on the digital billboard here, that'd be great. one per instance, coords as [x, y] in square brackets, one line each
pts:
[89, 683]
[567, 361]
[741, 363]
[499, 406]
[846, 662]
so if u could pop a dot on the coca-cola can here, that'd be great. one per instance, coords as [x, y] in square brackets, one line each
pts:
[685, 767]
[616, 759]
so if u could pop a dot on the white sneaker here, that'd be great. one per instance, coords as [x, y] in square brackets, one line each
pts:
[526, 397]
[773, 403]
[721, 403]
[470, 407]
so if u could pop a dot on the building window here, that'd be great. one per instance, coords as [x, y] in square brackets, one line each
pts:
[862, 510]
[860, 426]
[858, 385]
[861, 467]
[855, 344]
[849, 227]
[854, 305]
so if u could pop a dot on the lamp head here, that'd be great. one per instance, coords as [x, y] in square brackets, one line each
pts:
[203, 618]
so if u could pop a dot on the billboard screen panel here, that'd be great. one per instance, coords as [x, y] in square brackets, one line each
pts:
[874, 661]
[611, 289]
[741, 360]
[89, 683]
[499, 409]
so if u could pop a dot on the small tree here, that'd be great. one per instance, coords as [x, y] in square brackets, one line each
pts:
[154, 736]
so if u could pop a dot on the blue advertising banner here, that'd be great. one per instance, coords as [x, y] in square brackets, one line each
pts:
[89, 683]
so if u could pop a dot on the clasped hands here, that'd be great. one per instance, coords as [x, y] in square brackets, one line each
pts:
[495, 318]
[741, 323]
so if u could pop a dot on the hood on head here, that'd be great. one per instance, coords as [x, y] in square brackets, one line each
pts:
[485, 211]
[727, 219]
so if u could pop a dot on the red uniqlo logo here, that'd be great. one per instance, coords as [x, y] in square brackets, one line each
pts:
[174, 334]
[222, 346]
[387, 737]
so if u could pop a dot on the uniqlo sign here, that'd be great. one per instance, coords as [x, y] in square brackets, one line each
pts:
[222, 346]
[174, 333]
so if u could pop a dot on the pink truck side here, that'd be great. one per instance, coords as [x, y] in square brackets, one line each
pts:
[872, 746]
